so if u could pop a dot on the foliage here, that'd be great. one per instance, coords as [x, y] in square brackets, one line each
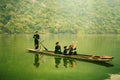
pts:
[60, 16]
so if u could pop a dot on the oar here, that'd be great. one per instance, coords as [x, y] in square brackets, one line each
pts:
[42, 41]
[43, 46]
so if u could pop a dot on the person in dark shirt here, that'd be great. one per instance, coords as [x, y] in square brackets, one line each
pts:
[36, 40]
[72, 50]
[58, 48]
[75, 52]
[65, 50]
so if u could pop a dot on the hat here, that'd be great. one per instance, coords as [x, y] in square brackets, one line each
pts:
[36, 31]
[65, 46]
[57, 42]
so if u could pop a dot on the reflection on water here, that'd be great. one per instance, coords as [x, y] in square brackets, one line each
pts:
[57, 61]
[36, 60]
[70, 62]
[66, 62]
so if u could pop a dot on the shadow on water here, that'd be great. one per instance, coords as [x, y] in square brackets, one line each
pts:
[105, 64]
[67, 61]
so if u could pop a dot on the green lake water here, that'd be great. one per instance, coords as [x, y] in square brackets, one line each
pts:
[16, 63]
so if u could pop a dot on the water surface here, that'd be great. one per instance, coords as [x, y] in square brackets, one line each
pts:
[16, 63]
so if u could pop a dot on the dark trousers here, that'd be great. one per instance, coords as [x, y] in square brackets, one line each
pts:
[36, 44]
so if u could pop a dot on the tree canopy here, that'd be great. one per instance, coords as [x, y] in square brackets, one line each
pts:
[60, 16]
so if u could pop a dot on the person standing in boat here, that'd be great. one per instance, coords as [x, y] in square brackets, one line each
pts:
[36, 40]
[58, 48]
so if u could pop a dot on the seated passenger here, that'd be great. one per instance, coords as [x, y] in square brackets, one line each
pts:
[72, 50]
[65, 50]
[58, 48]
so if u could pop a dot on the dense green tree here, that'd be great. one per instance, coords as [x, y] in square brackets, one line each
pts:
[60, 16]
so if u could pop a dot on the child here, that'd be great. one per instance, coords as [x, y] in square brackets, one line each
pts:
[65, 50]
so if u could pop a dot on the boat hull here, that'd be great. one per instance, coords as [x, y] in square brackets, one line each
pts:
[84, 57]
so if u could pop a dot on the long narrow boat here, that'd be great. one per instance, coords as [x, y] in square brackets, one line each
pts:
[84, 57]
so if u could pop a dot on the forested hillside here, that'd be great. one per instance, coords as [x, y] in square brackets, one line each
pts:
[60, 16]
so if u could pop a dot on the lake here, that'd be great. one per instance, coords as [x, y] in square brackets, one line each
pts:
[16, 63]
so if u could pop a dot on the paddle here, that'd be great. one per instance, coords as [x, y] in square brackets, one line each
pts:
[43, 46]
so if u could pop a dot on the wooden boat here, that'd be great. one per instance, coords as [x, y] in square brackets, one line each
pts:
[90, 58]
